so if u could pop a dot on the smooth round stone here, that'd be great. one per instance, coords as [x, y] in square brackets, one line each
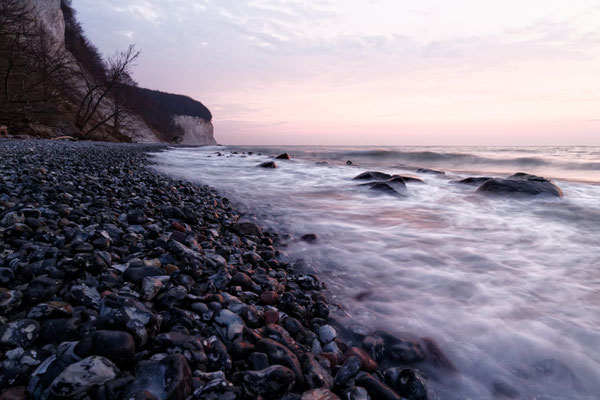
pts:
[327, 334]
[269, 297]
[271, 317]
[117, 346]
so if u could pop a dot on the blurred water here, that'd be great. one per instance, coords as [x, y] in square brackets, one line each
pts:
[509, 288]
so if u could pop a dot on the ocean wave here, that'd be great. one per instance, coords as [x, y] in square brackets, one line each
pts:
[464, 159]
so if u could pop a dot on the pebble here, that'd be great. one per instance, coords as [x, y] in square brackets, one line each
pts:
[82, 376]
[271, 382]
[19, 333]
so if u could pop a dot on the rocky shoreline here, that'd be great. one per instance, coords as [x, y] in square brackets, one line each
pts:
[117, 282]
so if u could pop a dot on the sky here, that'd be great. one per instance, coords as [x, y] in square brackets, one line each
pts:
[369, 72]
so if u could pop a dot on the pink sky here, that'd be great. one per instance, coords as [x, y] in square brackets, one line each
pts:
[370, 71]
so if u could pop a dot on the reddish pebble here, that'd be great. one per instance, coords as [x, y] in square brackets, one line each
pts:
[14, 393]
[368, 364]
[271, 317]
[105, 293]
[170, 268]
[332, 357]
[179, 227]
[269, 297]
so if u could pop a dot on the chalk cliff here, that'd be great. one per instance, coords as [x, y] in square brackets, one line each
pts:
[197, 131]
[140, 122]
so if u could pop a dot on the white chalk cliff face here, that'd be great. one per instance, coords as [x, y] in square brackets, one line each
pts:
[197, 131]
[51, 17]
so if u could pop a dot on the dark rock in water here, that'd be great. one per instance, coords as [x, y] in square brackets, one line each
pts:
[270, 383]
[430, 171]
[376, 389]
[117, 346]
[319, 394]
[19, 333]
[169, 378]
[435, 354]
[267, 164]
[397, 179]
[406, 351]
[407, 179]
[82, 376]
[521, 184]
[248, 228]
[284, 156]
[381, 187]
[309, 237]
[373, 175]
[473, 181]
[349, 162]
[505, 390]
[411, 386]
[375, 346]
[347, 371]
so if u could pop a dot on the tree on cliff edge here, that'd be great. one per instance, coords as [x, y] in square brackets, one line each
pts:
[33, 70]
[108, 85]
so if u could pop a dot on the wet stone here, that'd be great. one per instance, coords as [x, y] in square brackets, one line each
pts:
[319, 394]
[267, 164]
[19, 333]
[82, 376]
[270, 383]
[168, 378]
[347, 371]
[258, 361]
[269, 297]
[117, 346]
[373, 175]
[231, 325]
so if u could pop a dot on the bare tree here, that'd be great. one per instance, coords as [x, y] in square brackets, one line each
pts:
[33, 68]
[101, 87]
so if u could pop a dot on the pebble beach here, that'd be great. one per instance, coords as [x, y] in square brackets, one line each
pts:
[117, 282]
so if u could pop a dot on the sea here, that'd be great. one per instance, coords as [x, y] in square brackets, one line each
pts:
[509, 288]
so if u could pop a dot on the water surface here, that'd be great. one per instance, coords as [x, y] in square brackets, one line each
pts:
[509, 288]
